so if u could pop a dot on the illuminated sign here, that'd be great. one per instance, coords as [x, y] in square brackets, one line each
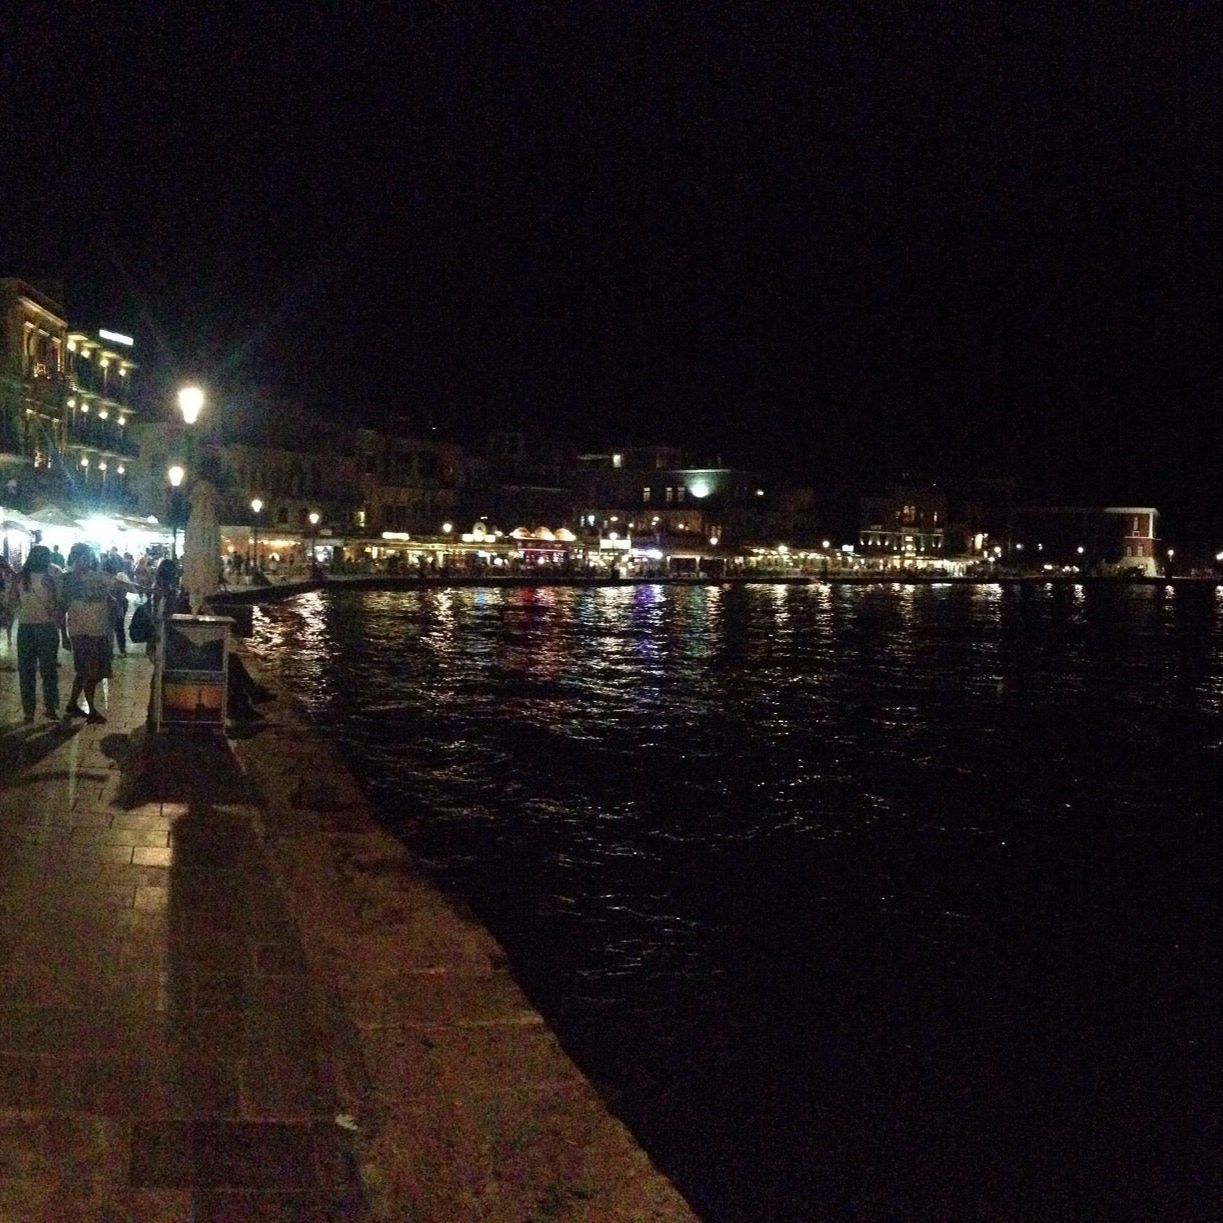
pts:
[116, 337]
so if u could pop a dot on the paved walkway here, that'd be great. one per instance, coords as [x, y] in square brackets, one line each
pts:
[163, 1052]
[216, 1009]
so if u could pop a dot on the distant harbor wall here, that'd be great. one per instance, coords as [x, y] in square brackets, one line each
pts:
[246, 595]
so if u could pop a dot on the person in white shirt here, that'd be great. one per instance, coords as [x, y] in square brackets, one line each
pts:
[88, 597]
[35, 599]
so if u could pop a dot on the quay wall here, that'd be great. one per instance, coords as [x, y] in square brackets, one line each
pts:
[462, 1102]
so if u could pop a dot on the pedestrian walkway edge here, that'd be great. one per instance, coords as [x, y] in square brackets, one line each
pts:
[461, 1102]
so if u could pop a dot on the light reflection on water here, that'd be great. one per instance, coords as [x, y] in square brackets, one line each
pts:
[861, 870]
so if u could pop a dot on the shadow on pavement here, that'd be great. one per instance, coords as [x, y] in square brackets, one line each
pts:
[22, 745]
[197, 770]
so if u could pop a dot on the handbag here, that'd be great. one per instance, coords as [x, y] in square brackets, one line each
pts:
[141, 627]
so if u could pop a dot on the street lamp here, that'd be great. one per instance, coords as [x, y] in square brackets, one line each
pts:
[190, 403]
[313, 524]
[175, 476]
[256, 506]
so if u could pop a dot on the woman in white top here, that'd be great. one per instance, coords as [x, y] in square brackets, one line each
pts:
[35, 599]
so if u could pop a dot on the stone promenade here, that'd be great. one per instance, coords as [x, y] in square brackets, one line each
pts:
[225, 993]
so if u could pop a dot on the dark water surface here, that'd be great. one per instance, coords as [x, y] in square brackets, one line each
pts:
[856, 901]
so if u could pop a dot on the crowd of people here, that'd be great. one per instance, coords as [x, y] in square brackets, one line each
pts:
[80, 604]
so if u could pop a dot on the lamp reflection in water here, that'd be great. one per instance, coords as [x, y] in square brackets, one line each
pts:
[175, 476]
[256, 506]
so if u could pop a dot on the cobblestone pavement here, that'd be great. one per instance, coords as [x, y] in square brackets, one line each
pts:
[163, 1051]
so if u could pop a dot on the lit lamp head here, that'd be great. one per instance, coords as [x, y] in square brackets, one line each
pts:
[256, 505]
[190, 403]
[176, 474]
[314, 518]
[447, 528]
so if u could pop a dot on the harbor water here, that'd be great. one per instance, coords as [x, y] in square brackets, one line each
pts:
[854, 901]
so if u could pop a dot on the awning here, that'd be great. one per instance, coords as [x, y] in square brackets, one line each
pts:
[53, 516]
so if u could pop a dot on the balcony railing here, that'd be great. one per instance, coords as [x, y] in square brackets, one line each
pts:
[101, 435]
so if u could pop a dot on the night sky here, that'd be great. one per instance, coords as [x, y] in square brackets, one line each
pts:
[936, 239]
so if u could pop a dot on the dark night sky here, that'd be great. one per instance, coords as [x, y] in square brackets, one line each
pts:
[931, 238]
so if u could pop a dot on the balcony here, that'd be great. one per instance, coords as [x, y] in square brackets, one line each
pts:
[101, 435]
[43, 383]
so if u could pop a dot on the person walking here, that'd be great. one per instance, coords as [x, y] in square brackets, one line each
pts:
[112, 566]
[35, 600]
[7, 576]
[89, 611]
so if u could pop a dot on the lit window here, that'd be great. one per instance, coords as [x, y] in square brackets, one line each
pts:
[617, 460]
[645, 496]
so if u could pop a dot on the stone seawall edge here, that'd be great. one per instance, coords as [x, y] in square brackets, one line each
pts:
[465, 1105]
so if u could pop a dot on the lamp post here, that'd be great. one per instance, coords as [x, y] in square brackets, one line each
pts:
[313, 527]
[256, 506]
[175, 476]
[190, 403]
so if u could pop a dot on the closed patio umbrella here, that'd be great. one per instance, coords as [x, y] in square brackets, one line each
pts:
[202, 545]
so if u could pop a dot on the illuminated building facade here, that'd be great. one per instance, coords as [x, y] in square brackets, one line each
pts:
[65, 401]
[98, 416]
[908, 524]
[33, 388]
[650, 492]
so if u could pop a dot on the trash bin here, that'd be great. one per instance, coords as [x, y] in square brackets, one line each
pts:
[190, 675]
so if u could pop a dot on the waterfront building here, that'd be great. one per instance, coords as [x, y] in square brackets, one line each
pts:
[408, 484]
[905, 528]
[33, 392]
[65, 407]
[981, 519]
[655, 494]
[1103, 539]
[521, 479]
[99, 448]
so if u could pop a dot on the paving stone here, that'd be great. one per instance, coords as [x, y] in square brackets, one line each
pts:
[149, 855]
[266, 1208]
[223, 1154]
